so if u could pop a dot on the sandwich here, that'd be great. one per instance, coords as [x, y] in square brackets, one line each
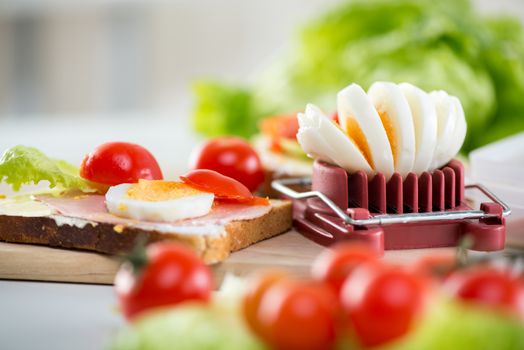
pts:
[119, 194]
[279, 150]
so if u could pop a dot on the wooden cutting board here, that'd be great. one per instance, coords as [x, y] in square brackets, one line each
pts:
[289, 251]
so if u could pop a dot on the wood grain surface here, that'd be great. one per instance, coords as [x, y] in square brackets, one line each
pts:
[289, 251]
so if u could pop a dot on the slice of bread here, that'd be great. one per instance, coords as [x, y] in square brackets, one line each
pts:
[65, 232]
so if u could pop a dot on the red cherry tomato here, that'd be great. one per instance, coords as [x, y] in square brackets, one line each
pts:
[233, 157]
[298, 316]
[280, 126]
[334, 265]
[224, 188]
[114, 163]
[487, 286]
[257, 287]
[173, 274]
[382, 302]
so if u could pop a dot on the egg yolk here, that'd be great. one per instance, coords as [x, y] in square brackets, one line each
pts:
[359, 139]
[158, 190]
[388, 126]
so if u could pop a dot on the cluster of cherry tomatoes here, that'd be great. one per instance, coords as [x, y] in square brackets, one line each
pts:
[352, 294]
[227, 167]
[350, 290]
[115, 163]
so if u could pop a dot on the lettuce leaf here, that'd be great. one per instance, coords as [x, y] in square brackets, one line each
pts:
[22, 165]
[223, 110]
[433, 44]
[454, 325]
[188, 326]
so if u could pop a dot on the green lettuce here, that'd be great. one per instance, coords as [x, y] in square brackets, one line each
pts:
[292, 148]
[432, 44]
[224, 110]
[22, 165]
[454, 325]
[188, 327]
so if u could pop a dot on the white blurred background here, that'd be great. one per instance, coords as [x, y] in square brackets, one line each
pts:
[77, 73]
[60, 57]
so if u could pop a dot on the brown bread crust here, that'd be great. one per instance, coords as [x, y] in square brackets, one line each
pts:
[111, 239]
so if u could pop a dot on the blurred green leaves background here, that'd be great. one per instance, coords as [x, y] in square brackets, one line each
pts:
[433, 44]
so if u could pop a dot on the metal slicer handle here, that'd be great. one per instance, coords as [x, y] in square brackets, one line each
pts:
[282, 186]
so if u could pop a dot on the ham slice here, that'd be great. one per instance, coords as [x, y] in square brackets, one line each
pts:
[92, 208]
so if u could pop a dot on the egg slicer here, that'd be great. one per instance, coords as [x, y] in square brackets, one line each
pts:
[423, 211]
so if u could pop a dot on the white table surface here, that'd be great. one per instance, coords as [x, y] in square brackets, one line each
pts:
[37, 315]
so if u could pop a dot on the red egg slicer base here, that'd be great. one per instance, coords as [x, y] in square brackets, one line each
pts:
[423, 211]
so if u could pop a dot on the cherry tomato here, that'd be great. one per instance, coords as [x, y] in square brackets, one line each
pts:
[173, 274]
[298, 316]
[334, 265]
[114, 163]
[280, 126]
[381, 302]
[225, 188]
[487, 286]
[233, 157]
[257, 287]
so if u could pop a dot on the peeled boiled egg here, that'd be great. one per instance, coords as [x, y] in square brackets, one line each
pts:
[321, 138]
[446, 123]
[424, 123]
[360, 120]
[158, 201]
[460, 129]
[395, 114]
[451, 145]
[391, 128]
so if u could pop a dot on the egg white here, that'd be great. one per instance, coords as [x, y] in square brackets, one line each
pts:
[354, 103]
[447, 122]
[450, 149]
[310, 137]
[119, 203]
[427, 129]
[322, 138]
[388, 98]
[425, 126]
[314, 145]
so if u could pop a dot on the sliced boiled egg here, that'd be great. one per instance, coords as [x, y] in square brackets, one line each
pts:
[321, 138]
[395, 113]
[158, 201]
[360, 120]
[391, 128]
[424, 123]
[448, 150]
[460, 130]
[447, 122]
[310, 137]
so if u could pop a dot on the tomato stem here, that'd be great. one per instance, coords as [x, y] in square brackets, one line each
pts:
[138, 256]
[462, 251]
